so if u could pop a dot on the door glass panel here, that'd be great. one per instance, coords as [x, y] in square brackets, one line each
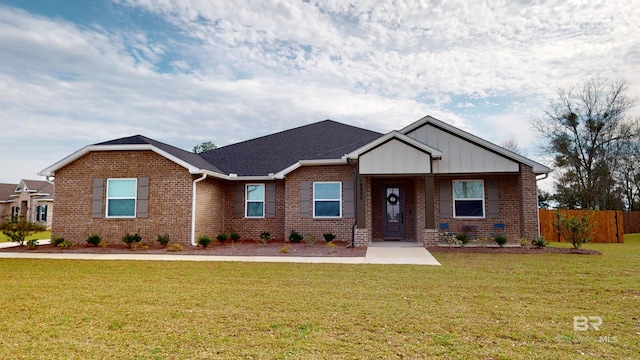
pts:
[393, 205]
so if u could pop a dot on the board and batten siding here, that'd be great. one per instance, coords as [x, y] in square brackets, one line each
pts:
[395, 157]
[459, 155]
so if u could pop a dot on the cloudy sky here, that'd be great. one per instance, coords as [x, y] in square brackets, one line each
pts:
[75, 72]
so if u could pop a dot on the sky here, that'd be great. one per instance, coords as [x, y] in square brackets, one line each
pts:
[79, 72]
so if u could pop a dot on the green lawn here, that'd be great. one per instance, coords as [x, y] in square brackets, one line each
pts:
[475, 306]
[38, 236]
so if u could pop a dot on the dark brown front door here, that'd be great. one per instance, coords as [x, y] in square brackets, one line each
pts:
[393, 212]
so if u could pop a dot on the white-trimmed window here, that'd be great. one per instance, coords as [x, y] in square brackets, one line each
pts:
[327, 199]
[254, 201]
[121, 198]
[468, 198]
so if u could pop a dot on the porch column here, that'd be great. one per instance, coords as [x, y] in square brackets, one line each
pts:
[429, 202]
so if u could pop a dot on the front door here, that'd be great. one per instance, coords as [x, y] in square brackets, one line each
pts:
[393, 212]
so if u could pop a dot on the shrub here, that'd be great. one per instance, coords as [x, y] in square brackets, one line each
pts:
[329, 237]
[331, 244]
[539, 242]
[130, 239]
[175, 247]
[163, 239]
[139, 246]
[65, 244]
[57, 240]
[222, 238]
[204, 241]
[309, 239]
[462, 238]
[32, 244]
[284, 249]
[234, 236]
[103, 244]
[265, 236]
[94, 240]
[18, 228]
[500, 239]
[575, 229]
[295, 237]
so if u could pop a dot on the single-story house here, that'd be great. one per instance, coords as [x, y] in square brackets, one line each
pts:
[32, 199]
[361, 185]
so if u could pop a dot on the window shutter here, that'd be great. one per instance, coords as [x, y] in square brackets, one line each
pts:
[270, 200]
[348, 199]
[446, 206]
[143, 198]
[98, 193]
[238, 200]
[493, 199]
[305, 199]
[43, 216]
[38, 213]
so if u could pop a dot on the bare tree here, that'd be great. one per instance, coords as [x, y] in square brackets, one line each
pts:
[512, 145]
[585, 129]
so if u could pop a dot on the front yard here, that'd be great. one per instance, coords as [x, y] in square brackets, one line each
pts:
[38, 236]
[498, 306]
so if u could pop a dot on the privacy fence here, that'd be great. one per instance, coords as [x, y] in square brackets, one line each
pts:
[608, 224]
[631, 222]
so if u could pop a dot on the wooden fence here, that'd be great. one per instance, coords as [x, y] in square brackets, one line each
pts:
[631, 222]
[608, 226]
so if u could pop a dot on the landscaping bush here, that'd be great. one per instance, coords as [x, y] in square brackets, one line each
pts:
[18, 228]
[175, 247]
[163, 239]
[500, 239]
[57, 240]
[575, 229]
[462, 238]
[65, 244]
[265, 236]
[539, 242]
[94, 240]
[234, 236]
[284, 249]
[32, 244]
[329, 237]
[222, 238]
[130, 239]
[295, 237]
[204, 241]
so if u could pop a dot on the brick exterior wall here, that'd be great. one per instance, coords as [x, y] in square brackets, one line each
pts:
[340, 227]
[210, 208]
[528, 196]
[510, 208]
[169, 197]
[251, 228]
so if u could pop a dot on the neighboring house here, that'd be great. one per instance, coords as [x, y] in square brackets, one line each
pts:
[32, 199]
[361, 185]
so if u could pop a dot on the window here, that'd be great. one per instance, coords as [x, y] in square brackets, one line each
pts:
[121, 198]
[41, 213]
[468, 198]
[327, 199]
[15, 212]
[254, 201]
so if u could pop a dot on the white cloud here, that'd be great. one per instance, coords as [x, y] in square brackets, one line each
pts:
[229, 71]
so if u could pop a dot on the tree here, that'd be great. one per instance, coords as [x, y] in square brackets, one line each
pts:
[205, 146]
[512, 145]
[17, 228]
[585, 129]
[543, 199]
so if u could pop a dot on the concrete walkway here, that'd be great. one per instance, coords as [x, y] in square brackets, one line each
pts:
[387, 253]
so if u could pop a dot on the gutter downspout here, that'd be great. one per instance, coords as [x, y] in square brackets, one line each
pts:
[193, 209]
[538, 200]
[355, 202]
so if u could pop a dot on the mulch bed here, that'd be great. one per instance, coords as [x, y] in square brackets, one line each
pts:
[510, 250]
[244, 248]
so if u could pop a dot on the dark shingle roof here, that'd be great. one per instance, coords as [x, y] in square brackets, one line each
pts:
[40, 186]
[272, 153]
[7, 190]
[189, 157]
